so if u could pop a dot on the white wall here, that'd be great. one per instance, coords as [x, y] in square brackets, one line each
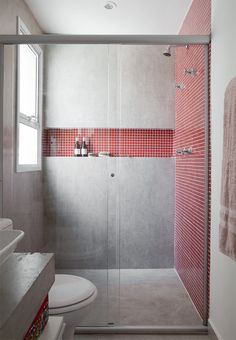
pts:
[223, 269]
[90, 16]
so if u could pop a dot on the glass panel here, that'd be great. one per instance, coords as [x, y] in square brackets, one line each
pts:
[27, 81]
[156, 97]
[80, 194]
[111, 218]
[28, 145]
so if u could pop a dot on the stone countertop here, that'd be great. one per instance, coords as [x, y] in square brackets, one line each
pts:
[25, 280]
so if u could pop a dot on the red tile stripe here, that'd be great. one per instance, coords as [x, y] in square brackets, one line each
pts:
[190, 170]
[119, 142]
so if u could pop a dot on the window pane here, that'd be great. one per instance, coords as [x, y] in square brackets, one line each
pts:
[28, 146]
[27, 81]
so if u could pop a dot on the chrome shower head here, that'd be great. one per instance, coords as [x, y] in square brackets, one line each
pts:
[167, 52]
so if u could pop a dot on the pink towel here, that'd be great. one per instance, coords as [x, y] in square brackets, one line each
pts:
[228, 184]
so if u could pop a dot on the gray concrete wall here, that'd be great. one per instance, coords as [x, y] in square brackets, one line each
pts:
[76, 86]
[146, 205]
[98, 221]
[9, 10]
[93, 220]
[22, 192]
[109, 86]
[1, 123]
[147, 88]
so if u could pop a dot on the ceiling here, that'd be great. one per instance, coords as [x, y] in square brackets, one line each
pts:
[129, 17]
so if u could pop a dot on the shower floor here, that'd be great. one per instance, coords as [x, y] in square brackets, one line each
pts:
[137, 297]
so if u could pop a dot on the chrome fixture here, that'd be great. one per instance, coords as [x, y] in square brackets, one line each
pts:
[110, 5]
[185, 151]
[191, 72]
[167, 52]
[180, 86]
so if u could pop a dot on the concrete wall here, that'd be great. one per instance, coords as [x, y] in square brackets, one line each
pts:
[109, 86]
[146, 212]
[90, 215]
[9, 10]
[97, 220]
[223, 269]
[22, 192]
[1, 122]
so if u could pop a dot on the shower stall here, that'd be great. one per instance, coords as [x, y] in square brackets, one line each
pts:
[133, 221]
[133, 216]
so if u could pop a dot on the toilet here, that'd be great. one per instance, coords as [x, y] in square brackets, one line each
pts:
[68, 294]
[6, 224]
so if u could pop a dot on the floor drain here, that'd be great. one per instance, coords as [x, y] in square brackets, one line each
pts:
[111, 323]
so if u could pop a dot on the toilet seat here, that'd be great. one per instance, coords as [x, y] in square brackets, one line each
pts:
[69, 293]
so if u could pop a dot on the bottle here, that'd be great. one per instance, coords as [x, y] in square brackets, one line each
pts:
[84, 148]
[77, 152]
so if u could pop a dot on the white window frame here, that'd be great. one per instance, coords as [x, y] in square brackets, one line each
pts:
[21, 118]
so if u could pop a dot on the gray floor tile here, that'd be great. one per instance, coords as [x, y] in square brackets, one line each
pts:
[137, 297]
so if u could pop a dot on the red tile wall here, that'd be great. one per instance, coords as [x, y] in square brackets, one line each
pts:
[198, 18]
[209, 179]
[119, 142]
[190, 170]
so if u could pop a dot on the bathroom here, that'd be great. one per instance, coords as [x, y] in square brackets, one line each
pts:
[133, 217]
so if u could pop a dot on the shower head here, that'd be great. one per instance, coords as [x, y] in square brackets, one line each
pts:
[167, 52]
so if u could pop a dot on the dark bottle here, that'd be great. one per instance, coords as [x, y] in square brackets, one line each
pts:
[77, 152]
[84, 148]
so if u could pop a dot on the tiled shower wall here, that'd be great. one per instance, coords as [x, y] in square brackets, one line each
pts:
[191, 179]
[118, 142]
[190, 173]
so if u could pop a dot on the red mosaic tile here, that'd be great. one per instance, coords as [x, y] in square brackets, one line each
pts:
[190, 170]
[118, 142]
[198, 19]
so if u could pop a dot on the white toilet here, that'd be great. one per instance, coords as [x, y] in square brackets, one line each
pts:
[6, 224]
[68, 294]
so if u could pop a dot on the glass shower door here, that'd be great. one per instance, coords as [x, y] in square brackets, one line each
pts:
[162, 199]
[145, 169]
[79, 191]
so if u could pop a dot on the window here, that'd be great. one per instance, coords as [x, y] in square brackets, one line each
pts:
[29, 105]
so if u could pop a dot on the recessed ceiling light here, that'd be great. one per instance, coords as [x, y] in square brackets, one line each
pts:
[110, 5]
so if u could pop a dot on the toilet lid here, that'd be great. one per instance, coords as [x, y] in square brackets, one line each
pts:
[68, 290]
